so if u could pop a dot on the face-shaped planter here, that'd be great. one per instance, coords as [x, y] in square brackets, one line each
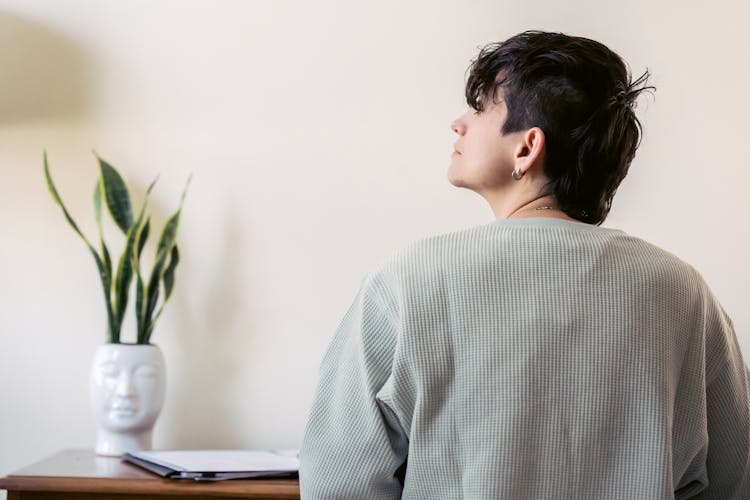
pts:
[126, 387]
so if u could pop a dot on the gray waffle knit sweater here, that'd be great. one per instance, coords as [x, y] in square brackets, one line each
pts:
[533, 358]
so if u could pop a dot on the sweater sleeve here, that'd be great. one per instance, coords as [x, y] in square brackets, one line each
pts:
[727, 409]
[353, 447]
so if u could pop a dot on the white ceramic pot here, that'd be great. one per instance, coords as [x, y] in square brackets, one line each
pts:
[126, 388]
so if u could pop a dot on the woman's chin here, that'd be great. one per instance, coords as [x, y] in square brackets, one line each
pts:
[455, 177]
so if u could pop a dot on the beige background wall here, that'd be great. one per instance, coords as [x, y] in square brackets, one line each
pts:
[318, 135]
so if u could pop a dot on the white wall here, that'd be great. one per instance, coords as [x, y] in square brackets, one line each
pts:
[318, 135]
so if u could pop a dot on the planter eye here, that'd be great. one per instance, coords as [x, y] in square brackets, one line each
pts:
[145, 372]
[108, 369]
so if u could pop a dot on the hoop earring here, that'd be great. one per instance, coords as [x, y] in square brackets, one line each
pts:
[517, 175]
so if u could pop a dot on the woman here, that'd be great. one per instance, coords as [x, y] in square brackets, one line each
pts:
[539, 355]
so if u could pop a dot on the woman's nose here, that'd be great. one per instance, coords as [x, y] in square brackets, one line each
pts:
[457, 126]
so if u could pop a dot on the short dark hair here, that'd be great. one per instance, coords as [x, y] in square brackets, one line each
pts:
[580, 93]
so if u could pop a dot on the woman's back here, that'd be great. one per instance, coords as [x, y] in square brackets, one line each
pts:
[531, 358]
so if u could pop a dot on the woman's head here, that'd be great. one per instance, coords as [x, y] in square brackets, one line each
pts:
[574, 90]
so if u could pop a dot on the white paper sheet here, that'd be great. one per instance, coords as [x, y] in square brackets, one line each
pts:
[223, 460]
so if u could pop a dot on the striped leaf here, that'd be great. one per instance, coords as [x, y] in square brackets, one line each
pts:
[169, 233]
[174, 259]
[106, 260]
[140, 312]
[116, 195]
[112, 333]
[128, 261]
[144, 229]
[168, 280]
[151, 297]
[98, 204]
[124, 275]
[163, 250]
[144, 236]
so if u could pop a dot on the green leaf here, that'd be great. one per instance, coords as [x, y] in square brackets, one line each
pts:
[98, 205]
[129, 260]
[56, 197]
[147, 338]
[140, 312]
[113, 328]
[152, 295]
[144, 236]
[166, 242]
[168, 280]
[113, 333]
[169, 233]
[144, 230]
[116, 195]
[107, 261]
[107, 268]
[169, 273]
[163, 250]
[124, 275]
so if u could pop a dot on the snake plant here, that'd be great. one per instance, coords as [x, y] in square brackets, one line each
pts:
[116, 282]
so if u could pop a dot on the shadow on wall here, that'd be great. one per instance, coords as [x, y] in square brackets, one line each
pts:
[206, 413]
[44, 74]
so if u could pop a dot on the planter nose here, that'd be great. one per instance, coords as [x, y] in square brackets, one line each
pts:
[125, 387]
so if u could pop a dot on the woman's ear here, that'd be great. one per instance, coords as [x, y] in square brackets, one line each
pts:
[530, 150]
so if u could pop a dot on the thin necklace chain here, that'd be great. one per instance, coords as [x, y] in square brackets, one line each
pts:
[546, 207]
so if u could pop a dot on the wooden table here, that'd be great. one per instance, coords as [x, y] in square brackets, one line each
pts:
[80, 474]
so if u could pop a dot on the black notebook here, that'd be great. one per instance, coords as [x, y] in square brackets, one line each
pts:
[217, 465]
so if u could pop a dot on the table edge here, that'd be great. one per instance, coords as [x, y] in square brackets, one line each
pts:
[279, 488]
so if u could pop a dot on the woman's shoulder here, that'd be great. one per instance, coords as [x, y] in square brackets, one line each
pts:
[503, 239]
